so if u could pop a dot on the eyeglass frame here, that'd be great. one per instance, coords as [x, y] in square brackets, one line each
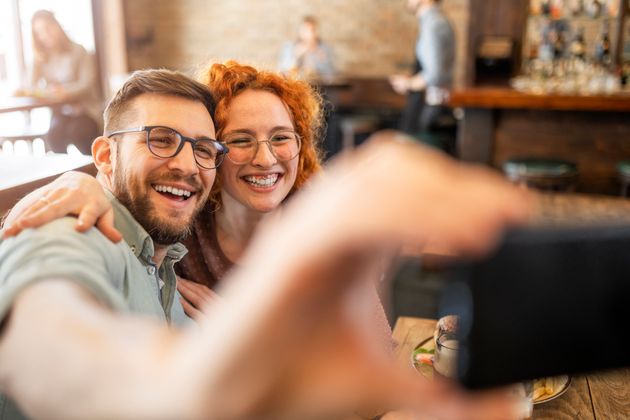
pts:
[222, 149]
[268, 141]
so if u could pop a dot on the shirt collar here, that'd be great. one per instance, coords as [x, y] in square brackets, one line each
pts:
[137, 237]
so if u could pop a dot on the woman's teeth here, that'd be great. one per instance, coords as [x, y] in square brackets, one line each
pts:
[174, 191]
[262, 181]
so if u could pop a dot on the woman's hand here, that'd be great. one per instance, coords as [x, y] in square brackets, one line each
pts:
[73, 193]
[195, 297]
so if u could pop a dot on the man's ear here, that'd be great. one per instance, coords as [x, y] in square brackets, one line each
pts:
[104, 154]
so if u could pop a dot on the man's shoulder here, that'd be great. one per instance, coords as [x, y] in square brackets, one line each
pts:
[57, 250]
[62, 227]
[61, 232]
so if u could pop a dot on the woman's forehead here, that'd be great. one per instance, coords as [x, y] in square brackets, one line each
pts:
[257, 108]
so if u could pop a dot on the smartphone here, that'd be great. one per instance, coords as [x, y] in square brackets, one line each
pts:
[548, 301]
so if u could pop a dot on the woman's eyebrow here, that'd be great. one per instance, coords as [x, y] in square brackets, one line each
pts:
[241, 131]
[253, 132]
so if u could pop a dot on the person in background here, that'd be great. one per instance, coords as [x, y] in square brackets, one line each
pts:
[308, 56]
[435, 53]
[63, 69]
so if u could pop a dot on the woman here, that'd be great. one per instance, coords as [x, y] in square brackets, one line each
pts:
[271, 125]
[253, 108]
[308, 56]
[65, 70]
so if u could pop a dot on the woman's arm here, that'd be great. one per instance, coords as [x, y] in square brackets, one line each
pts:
[73, 193]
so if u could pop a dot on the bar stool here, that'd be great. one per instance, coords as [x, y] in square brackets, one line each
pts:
[542, 173]
[623, 174]
[351, 125]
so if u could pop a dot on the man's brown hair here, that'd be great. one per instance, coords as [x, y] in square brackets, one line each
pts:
[157, 81]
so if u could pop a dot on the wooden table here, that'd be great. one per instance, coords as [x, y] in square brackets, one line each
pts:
[21, 175]
[604, 395]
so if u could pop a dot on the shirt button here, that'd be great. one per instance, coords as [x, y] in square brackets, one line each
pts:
[133, 248]
[151, 270]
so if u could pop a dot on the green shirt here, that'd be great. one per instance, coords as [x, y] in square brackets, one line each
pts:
[120, 275]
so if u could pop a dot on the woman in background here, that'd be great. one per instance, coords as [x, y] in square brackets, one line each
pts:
[308, 56]
[64, 70]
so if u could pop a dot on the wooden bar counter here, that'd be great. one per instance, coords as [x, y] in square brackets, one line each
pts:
[502, 123]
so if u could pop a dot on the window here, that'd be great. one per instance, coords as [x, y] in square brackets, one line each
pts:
[16, 44]
[16, 52]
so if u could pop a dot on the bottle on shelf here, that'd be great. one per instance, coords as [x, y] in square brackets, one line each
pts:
[545, 7]
[556, 9]
[577, 48]
[602, 48]
[576, 7]
[594, 8]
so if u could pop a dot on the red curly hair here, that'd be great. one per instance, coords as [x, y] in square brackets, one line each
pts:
[305, 106]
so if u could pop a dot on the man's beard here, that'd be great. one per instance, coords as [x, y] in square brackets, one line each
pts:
[131, 195]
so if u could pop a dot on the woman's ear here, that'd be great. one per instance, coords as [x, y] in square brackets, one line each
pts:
[103, 154]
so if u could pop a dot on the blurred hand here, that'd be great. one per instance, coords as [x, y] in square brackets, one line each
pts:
[400, 83]
[56, 90]
[195, 297]
[21, 92]
[73, 193]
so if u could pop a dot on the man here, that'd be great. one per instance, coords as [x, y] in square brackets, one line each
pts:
[435, 54]
[286, 342]
[158, 182]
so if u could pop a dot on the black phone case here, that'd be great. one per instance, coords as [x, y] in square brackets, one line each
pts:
[549, 301]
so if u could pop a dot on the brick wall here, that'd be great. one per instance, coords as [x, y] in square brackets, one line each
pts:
[368, 37]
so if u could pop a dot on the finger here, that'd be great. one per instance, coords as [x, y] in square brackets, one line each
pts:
[105, 224]
[190, 310]
[11, 230]
[200, 294]
[24, 220]
[30, 210]
[40, 214]
[201, 290]
[88, 216]
[190, 295]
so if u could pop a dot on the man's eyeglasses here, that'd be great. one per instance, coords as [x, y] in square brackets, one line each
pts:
[165, 142]
[284, 145]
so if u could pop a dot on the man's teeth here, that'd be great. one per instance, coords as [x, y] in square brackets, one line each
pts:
[262, 181]
[171, 190]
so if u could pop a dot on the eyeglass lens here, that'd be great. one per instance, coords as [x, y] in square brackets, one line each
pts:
[285, 145]
[164, 142]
